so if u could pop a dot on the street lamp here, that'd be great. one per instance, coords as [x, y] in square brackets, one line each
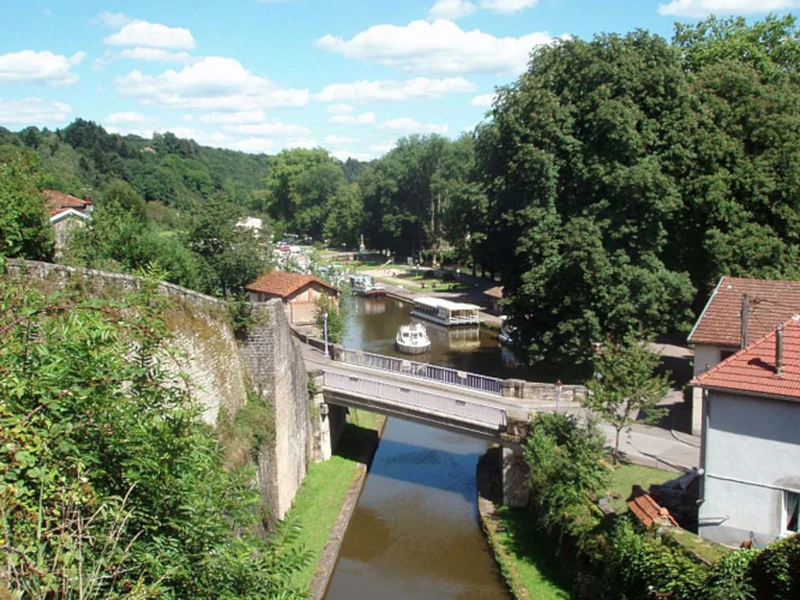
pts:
[325, 329]
[559, 387]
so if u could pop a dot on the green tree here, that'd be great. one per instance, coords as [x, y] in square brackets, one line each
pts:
[230, 257]
[336, 315]
[625, 389]
[25, 230]
[110, 485]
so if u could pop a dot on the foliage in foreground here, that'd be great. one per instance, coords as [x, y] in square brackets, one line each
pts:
[337, 317]
[110, 485]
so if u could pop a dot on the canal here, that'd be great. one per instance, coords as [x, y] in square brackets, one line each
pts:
[415, 531]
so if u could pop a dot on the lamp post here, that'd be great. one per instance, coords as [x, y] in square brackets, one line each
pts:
[325, 329]
[559, 386]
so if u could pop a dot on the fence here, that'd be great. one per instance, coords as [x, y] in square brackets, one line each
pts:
[392, 394]
[481, 383]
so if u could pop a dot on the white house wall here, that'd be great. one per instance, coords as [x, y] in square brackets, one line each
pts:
[705, 357]
[752, 454]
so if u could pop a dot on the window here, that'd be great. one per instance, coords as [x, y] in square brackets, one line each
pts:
[723, 354]
[791, 506]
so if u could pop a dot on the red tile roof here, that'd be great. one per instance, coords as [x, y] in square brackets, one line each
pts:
[752, 371]
[283, 284]
[58, 202]
[771, 302]
[495, 292]
[648, 511]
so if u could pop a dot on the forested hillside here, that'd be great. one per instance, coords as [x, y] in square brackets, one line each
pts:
[609, 187]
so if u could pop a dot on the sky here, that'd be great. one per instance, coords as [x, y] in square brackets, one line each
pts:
[265, 75]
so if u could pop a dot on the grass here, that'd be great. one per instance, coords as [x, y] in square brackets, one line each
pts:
[325, 486]
[624, 477]
[527, 559]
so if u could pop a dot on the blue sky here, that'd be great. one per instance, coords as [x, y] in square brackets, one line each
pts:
[264, 75]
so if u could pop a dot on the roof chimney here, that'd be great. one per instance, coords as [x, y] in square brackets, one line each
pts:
[745, 318]
[779, 350]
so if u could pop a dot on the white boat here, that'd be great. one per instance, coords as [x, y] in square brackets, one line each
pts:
[362, 284]
[506, 335]
[444, 312]
[412, 339]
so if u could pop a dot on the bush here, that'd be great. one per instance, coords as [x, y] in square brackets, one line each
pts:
[776, 570]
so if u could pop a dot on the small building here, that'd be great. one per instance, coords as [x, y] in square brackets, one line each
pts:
[750, 451]
[66, 213]
[495, 294]
[297, 292]
[725, 328]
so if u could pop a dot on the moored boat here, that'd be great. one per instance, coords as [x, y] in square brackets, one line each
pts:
[412, 339]
[362, 284]
[444, 312]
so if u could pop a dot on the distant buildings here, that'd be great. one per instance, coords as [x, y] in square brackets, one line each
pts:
[495, 294]
[751, 438]
[66, 212]
[298, 293]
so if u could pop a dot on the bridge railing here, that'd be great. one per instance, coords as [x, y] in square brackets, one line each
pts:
[389, 393]
[481, 383]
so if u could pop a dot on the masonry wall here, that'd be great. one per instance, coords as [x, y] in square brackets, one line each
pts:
[221, 368]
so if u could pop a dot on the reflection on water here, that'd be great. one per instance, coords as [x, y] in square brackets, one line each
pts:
[415, 533]
[373, 324]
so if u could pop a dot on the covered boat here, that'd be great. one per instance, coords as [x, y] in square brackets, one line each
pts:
[362, 284]
[412, 339]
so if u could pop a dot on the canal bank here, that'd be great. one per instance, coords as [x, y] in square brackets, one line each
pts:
[330, 553]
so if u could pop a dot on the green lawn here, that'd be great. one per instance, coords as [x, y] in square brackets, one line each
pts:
[625, 477]
[527, 559]
[320, 498]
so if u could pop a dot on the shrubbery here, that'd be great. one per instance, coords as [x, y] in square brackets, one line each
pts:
[110, 485]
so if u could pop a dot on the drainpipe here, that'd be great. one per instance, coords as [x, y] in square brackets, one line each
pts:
[779, 350]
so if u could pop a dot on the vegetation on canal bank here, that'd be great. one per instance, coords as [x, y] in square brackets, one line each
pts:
[320, 498]
[563, 546]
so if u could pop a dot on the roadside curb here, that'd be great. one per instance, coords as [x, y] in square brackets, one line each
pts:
[330, 553]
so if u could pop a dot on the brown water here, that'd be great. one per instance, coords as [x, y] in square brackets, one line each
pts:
[415, 532]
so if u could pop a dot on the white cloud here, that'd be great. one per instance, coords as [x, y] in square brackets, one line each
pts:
[128, 129]
[257, 144]
[507, 6]
[407, 125]
[113, 20]
[703, 8]
[187, 118]
[213, 83]
[47, 12]
[156, 55]
[33, 111]
[271, 129]
[420, 88]
[363, 119]
[343, 155]
[340, 109]
[383, 148]
[438, 47]
[484, 100]
[152, 35]
[340, 140]
[45, 67]
[451, 9]
[235, 118]
[129, 117]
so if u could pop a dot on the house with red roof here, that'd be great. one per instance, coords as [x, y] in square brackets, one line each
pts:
[750, 451]
[739, 311]
[66, 212]
[298, 293]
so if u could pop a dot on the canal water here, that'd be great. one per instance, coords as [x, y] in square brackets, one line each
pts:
[415, 531]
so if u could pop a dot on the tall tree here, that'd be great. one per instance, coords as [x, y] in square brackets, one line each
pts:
[25, 229]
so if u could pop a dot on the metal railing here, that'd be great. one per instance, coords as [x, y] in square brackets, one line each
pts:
[473, 381]
[391, 394]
